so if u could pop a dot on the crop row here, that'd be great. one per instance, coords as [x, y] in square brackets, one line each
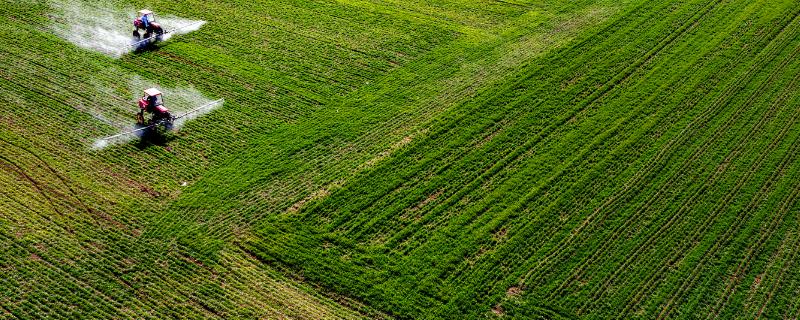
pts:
[712, 178]
[88, 200]
[443, 219]
[316, 162]
[372, 184]
[686, 134]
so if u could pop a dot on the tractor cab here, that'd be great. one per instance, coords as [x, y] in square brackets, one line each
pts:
[152, 102]
[146, 15]
[146, 21]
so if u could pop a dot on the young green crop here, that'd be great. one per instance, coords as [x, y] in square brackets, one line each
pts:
[423, 159]
[430, 257]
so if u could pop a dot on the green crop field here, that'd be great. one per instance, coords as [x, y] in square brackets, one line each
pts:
[434, 159]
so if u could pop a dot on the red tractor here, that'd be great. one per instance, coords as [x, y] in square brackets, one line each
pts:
[153, 103]
[146, 21]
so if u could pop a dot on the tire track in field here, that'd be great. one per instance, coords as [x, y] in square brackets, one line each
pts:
[786, 204]
[687, 203]
[780, 98]
[723, 204]
[793, 311]
[251, 259]
[638, 178]
[515, 155]
[7, 312]
[108, 269]
[38, 212]
[63, 181]
[36, 185]
[752, 251]
[59, 228]
[99, 297]
[300, 187]
[777, 283]
[78, 203]
[640, 173]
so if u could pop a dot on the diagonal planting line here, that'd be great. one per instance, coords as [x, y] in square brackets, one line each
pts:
[685, 205]
[582, 106]
[525, 97]
[688, 25]
[752, 250]
[697, 122]
[778, 282]
[723, 204]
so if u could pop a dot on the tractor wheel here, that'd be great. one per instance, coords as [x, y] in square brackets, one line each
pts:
[159, 33]
[136, 35]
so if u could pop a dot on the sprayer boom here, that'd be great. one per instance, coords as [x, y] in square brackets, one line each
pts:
[200, 108]
[139, 43]
[154, 124]
[128, 132]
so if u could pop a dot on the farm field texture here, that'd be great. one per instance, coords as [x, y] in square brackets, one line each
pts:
[408, 159]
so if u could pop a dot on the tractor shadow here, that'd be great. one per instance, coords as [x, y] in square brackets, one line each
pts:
[154, 47]
[148, 46]
[154, 138]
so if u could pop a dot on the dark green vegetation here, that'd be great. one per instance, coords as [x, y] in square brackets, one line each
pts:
[413, 159]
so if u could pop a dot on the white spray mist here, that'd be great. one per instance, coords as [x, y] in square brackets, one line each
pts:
[177, 100]
[102, 27]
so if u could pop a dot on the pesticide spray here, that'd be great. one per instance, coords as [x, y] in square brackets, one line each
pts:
[102, 27]
[186, 103]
